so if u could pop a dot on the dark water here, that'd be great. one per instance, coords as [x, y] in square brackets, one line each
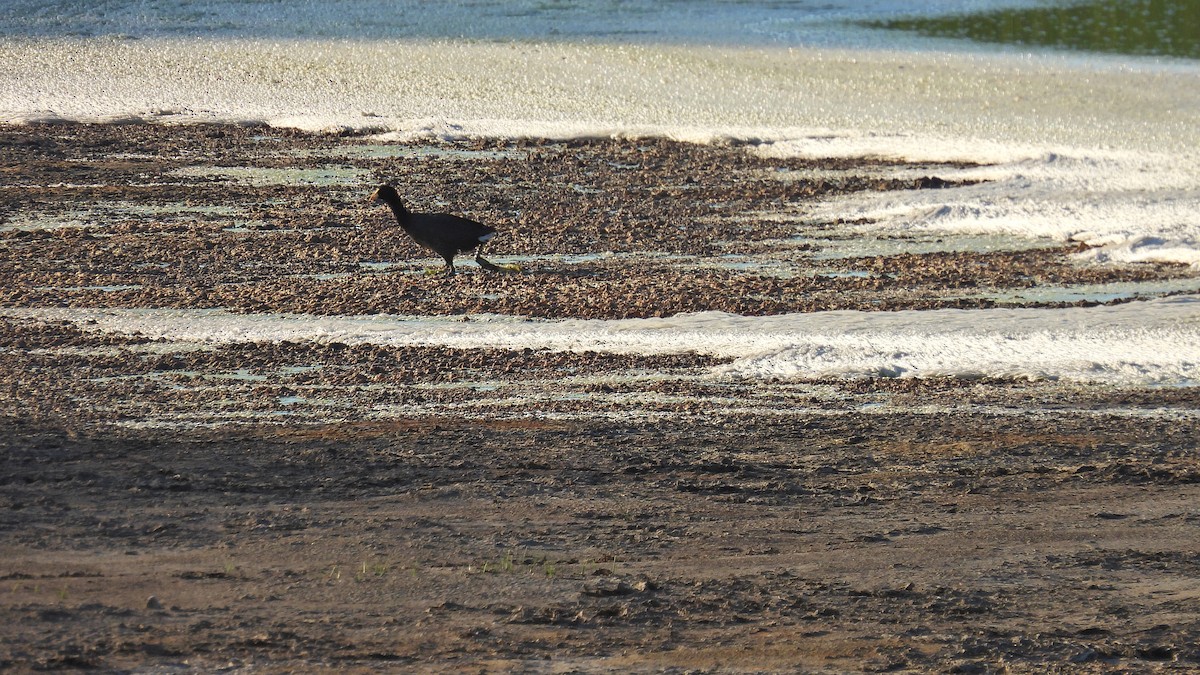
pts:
[1135, 27]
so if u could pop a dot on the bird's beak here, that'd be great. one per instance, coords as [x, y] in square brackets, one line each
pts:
[374, 198]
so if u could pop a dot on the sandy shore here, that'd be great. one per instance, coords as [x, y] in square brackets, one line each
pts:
[318, 506]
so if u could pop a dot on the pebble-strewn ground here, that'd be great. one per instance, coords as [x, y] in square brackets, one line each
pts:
[260, 221]
[309, 506]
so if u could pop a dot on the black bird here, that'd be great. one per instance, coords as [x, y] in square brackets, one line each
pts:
[443, 233]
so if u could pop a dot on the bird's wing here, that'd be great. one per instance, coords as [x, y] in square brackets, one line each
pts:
[447, 234]
[461, 229]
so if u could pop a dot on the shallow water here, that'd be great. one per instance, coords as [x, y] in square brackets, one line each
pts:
[35, 223]
[266, 176]
[105, 289]
[1123, 290]
[628, 21]
[859, 244]
[97, 216]
[400, 151]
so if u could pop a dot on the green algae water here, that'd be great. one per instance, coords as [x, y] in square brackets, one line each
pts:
[1134, 27]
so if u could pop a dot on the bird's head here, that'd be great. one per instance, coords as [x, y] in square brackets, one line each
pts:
[384, 194]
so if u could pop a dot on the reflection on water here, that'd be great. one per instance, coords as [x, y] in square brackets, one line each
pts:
[1102, 293]
[1139, 27]
[265, 176]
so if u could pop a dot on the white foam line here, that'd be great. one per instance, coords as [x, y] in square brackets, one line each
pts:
[1131, 207]
[1152, 342]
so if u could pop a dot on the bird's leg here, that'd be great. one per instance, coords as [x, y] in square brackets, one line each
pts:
[492, 267]
[483, 262]
[480, 259]
[450, 266]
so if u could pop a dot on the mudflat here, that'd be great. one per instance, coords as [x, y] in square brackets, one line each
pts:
[317, 506]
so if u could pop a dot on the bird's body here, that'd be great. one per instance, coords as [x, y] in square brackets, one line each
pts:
[443, 233]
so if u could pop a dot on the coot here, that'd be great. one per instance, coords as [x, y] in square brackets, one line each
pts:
[443, 233]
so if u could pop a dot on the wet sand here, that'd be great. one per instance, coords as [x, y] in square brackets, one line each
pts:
[319, 506]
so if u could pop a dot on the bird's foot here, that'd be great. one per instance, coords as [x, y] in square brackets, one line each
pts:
[508, 268]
